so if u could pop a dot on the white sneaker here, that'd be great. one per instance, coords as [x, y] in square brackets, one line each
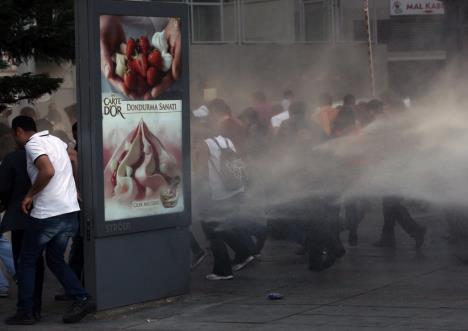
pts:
[218, 277]
[242, 265]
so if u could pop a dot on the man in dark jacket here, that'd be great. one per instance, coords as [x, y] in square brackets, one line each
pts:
[15, 184]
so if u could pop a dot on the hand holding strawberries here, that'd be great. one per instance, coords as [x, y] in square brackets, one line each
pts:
[140, 68]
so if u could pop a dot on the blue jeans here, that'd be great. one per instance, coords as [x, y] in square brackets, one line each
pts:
[52, 235]
[6, 255]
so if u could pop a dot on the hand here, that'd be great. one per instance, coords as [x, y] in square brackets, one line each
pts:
[112, 35]
[173, 36]
[172, 33]
[26, 204]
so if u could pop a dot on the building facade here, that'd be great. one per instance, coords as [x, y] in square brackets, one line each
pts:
[310, 46]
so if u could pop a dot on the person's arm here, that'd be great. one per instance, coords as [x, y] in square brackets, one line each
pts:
[45, 173]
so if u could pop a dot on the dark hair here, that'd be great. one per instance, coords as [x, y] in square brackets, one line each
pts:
[219, 106]
[288, 94]
[24, 122]
[326, 99]
[349, 100]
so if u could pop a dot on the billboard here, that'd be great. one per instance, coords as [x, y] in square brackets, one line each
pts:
[416, 7]
[141, 127]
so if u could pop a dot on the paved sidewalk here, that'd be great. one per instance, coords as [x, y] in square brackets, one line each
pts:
[369, 289]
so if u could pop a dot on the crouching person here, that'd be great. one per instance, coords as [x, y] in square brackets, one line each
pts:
[52, 202]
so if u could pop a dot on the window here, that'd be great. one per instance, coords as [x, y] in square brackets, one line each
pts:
[313, 20]
[214, 20]
[287, 21]
[268, 21]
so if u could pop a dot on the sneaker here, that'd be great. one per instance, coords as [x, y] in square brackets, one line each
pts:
[242, 265]
[419, 238]
[219, 277]
[198, 260]
[78, 310]
[3, 292]
[20, 319]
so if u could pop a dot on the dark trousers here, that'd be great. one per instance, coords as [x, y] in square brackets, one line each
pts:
[395, 212]
[52, 235]
[76, 259]
[236, 237]
[354, 212]
[222, 226]
[16, 243]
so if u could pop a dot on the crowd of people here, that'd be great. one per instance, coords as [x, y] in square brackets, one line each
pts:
[270, 150]
[252, 180]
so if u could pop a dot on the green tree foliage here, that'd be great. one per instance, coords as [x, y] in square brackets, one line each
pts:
[39, 29]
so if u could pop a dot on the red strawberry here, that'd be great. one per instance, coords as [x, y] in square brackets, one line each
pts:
[152, 76]
[142, 63]
[144, 45]
[155, 59]
[131, 46]
[130, 80]
[133, 65]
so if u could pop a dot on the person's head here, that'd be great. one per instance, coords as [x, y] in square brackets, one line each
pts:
[349, 100]
[259, 97]
[218, 111]
[288, 94]
[249, 117]
[23, 128]
[325, 99]
[28, 111]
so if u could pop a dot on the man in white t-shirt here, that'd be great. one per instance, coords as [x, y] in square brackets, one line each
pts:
[52, 203]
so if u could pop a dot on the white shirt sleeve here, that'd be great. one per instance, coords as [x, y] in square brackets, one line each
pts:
[34, 149]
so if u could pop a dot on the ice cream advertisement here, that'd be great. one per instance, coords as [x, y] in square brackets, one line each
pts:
[142, 128]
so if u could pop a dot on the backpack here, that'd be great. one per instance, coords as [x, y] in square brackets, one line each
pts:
[232, 169]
